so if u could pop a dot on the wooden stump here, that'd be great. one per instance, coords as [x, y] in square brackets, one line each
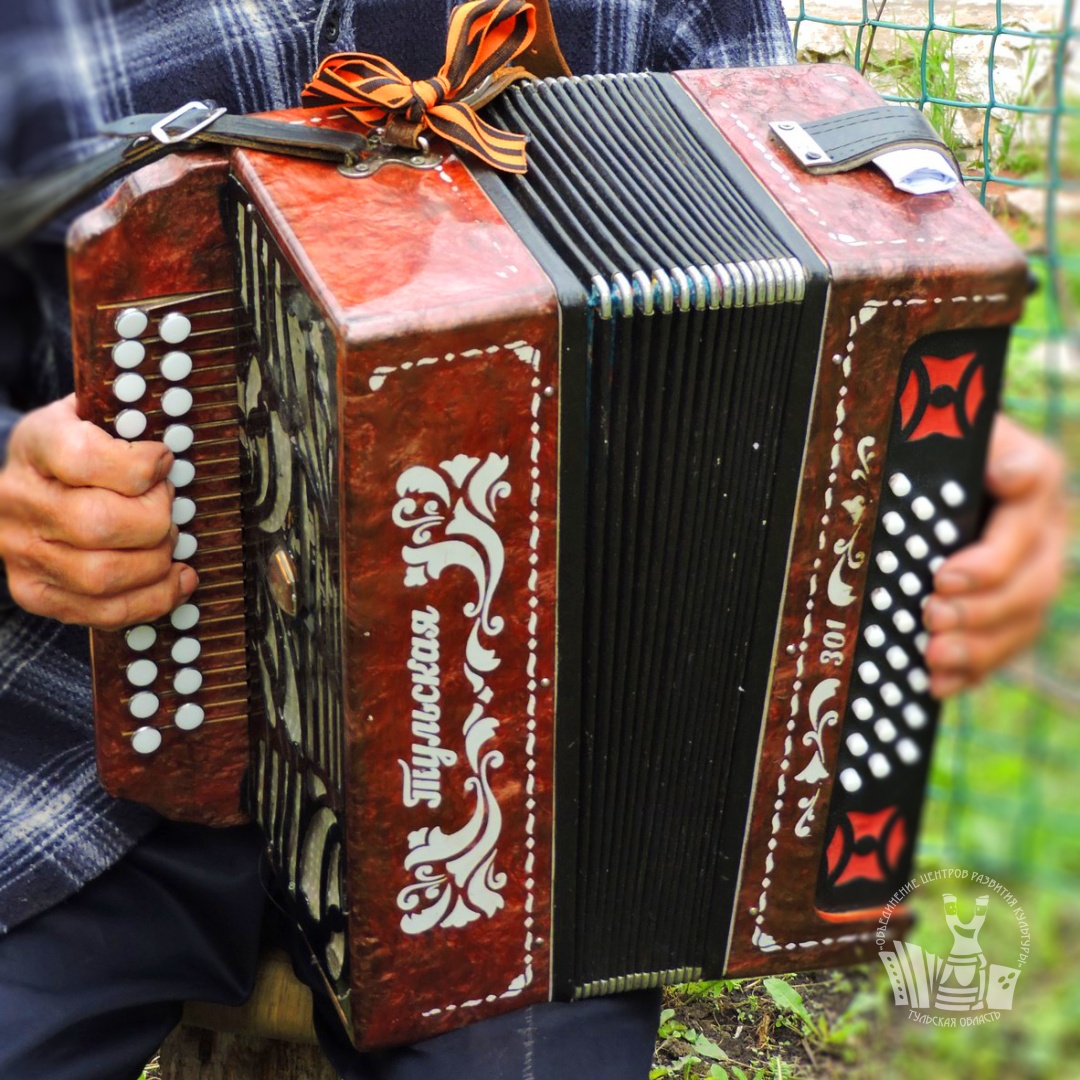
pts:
[271, 1037]
[191, 1053]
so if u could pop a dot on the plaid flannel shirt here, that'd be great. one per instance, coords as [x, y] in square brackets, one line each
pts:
[67, 67]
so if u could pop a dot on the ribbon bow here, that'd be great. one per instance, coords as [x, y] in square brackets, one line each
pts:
[485, 35]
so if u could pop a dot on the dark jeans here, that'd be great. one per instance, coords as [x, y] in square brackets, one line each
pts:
[89, 990]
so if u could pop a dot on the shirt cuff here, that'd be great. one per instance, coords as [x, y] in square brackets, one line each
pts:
[9, 417]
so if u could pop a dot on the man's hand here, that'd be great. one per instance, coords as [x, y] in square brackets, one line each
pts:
[85, 523]
[990, 598]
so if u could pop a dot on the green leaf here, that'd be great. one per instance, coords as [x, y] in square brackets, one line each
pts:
[787, 998]
[717, 1072]
[739, 1074]
[704, 1045]
[659, 1073]
[666, 1015]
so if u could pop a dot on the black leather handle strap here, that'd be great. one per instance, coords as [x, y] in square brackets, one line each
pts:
[27, 205]
[844, 142]
[277, 136]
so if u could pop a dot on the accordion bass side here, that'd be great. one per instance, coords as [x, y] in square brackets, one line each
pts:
[561, 539]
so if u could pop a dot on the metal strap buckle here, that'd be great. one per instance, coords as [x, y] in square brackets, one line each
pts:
[158, 130]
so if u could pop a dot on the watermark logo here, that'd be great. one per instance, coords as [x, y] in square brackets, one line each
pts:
[960, 987]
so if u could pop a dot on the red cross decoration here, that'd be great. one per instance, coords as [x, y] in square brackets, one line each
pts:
[941, 396]
[866, 845]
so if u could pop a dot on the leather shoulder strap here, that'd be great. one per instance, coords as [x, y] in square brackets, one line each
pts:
[544, 58]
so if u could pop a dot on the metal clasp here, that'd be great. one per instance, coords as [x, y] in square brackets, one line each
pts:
[380, 153]
[805, 148]
[158, 130]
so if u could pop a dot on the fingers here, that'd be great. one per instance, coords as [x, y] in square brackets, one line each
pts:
[86, 534]
[105, 613]
[991, 598]
[100, 574]
[96, 519]
[1026, 475]
[60, 446]
[958, 661]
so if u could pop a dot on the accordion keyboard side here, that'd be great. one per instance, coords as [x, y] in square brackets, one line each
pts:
[158, 327]
[923, 292]
[445, 343]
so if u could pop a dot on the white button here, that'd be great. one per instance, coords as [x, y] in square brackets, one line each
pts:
[141, 672]
[174, 328]
[183, 510]
[140, 638]
[910, 584]
[879, 765]
[900, 485]
[952, 493]
[186, 650]
[176, 401]
[887, 562]
[946, 532]
[146, 740]
[857, 744]
[129, 387]
[862, 708]
[917, 547]
[923, 508]
[182, 473]
[176, 366]
[143, 706]
[868, 672]
[921, 641]
[128, 354]
[893, 522]
[851, 780]
[131, 322]
[915, 715]
[186, 546]
[919, 680]
[936, 563]
[130, 423]
[187, 680]
[185, 617]
[891, 694]
[178, 438]
[885, 730]
[904, 621]
[908, 751]
[898, 659]
[189, 716]
[875, 636]
[881, 599]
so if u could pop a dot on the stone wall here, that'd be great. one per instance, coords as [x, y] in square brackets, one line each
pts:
[959, 65]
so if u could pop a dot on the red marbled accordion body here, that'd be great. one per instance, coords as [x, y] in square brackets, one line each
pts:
[381, 379]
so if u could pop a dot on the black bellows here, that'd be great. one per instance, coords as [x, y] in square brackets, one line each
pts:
[695, 370]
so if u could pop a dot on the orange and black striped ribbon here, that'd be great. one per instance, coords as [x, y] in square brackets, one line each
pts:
[485, 36]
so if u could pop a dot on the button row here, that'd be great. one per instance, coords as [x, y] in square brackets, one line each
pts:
[147, 740]
[173, 329]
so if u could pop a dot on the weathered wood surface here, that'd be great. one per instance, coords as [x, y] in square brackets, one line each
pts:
[270, 1037]
[191, 1053]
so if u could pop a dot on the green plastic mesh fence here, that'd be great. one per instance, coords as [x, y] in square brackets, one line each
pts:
[1001, 82]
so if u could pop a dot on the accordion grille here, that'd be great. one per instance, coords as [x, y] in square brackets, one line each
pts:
[289, 455]
[695, 331]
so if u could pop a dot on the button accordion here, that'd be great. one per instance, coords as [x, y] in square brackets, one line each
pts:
[561, 538]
